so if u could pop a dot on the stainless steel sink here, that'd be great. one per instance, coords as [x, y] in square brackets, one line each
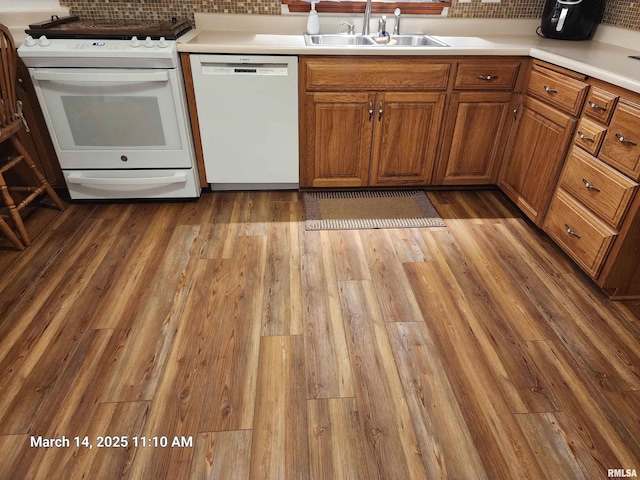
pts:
[416, 41]
[333, 39]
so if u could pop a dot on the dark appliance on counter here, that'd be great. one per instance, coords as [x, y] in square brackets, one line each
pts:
[571, 19]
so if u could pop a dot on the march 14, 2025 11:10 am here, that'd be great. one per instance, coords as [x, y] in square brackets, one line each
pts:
[116, 441]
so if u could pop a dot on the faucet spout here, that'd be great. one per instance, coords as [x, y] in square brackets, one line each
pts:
[367, 16]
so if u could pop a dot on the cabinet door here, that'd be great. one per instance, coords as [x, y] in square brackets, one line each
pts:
[406, 136]
[534, 155]
[337, 134]
[474, 138]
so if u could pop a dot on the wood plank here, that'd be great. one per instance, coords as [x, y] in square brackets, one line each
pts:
[13, 448]
[627, 406]
[154, 320]
[283, 297]
[395, 296]
[139, 266]
[123, 419]
[234, 226]
[336, 447]
[553, 447]
[256, 216]
[43, 325]
[216, 344]
[67, 330]
[279, 448]
[490, 323]
[609, 441]
[328, 367]
[350, 261]
[75, 404]
[384, 415]
[409, 245]
[232, 365]
[594, 353]
[220, 455]
[445, 442]
[33, 263]
[216, 227]
[501, 443]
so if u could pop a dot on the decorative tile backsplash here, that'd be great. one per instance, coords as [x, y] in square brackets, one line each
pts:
[620, 13]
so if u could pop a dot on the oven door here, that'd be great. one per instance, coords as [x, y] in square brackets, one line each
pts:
[114, 118]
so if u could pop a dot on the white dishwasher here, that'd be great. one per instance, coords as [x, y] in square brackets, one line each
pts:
[248, 116]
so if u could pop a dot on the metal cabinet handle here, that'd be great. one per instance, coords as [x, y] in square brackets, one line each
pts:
[550, 90]
[589, 186]
[515, 110]
[595, 106]
[571, 232]
[380, 111]
[625, 141]
[370, 110]
[488, 78]
[585, 138]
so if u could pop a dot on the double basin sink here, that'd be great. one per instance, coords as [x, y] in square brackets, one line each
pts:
[341, 39]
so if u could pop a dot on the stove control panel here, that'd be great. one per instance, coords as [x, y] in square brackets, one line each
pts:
[44, 52]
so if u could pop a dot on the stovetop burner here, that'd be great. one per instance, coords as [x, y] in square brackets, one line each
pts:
[73, 27]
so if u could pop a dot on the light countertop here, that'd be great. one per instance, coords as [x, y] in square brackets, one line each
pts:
[597, 58]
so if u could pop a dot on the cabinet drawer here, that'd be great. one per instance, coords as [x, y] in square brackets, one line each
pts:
[598, 186]
[558, 90]
[600, 104]
[346, 74]
[589, 135]
[495, 75]
[621, 147]
[578, 232]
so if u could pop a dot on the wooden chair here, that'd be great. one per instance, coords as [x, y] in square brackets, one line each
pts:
[11, 122]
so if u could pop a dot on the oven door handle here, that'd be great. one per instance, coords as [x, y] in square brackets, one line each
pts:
[126, 183]
[155, 76]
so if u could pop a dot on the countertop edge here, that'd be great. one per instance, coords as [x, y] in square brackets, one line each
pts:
[567, 55]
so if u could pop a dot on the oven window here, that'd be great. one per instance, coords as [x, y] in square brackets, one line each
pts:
[114, 121]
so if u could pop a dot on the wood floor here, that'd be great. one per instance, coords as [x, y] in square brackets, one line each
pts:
[472, 351]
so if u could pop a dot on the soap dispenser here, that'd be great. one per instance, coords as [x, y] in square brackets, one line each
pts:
[313, 22]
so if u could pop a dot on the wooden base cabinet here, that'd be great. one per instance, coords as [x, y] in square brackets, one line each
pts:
[356, 139]
[370, 122]
[535, 154]
[475, 125]
[337, 150]
[595, 212]
[406, 134]
[539, 140]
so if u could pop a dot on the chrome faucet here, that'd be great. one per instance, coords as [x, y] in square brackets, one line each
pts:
[350, 26]
[367, 16]
[382, 25]
[396, 27]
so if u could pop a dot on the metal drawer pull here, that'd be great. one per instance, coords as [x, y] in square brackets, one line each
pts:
[487, 77]
[589, 186]
[380, 111]
[550, 90]
[585, 138]
[370, 110]
[571, 232]
[626, 141]
[595, 106]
